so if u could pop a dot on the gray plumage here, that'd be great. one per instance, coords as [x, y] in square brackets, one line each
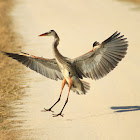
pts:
[95, 64]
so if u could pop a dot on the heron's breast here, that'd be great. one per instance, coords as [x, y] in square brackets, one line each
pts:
[64, 71]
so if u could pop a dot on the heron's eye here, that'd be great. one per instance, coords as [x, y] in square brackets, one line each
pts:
[68, 62]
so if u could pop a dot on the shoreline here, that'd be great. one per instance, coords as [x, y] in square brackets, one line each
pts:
[10, 85]
[132, 1]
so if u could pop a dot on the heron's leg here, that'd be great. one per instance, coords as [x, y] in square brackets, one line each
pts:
[60, 114]
[63, 84]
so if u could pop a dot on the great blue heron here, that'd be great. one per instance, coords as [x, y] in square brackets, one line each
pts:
[95, 64]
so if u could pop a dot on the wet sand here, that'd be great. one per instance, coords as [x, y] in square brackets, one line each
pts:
[110, 110]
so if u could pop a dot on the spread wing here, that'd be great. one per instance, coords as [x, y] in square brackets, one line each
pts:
[102, 59]
[46, 67]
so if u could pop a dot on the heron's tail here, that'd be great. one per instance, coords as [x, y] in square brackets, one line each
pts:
[86, 85]
[81, 88]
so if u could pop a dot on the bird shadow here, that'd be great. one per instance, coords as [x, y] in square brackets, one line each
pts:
[119, 109]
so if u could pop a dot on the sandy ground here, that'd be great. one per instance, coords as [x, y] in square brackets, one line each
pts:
[110, 110]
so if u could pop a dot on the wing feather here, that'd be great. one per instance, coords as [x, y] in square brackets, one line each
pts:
[104, 58]
[46, 67]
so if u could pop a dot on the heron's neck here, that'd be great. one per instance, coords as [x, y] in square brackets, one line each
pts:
[56, 41]
[55, 44]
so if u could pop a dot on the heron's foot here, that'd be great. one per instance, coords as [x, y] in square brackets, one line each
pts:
[50, 109]
[59, 114]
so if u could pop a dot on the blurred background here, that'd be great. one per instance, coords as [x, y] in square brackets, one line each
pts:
[110, 110]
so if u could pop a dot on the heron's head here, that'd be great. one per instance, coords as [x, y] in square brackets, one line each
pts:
[95, 44]
[50, 33]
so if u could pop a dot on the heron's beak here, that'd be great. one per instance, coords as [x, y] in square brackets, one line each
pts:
[44, 34]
